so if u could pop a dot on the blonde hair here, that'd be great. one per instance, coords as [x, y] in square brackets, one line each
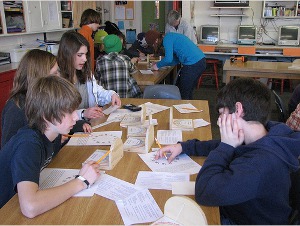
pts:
[34, 64]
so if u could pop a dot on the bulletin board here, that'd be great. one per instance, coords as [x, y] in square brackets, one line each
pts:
[124, 10]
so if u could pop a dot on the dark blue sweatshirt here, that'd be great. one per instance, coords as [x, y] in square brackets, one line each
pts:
[250, 183]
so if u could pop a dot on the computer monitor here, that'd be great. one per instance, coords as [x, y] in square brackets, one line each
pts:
[288, 36]
[247, 35]
[209, 34]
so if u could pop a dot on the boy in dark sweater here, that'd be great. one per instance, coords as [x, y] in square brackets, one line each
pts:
[247, 173]
[50, 108]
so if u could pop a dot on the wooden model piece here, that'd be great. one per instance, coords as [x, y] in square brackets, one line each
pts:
[180, 124]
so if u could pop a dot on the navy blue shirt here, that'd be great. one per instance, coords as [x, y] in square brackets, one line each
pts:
[22, 159]
[250, 183]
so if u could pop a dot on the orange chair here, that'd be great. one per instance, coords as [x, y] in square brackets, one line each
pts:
[210, 72]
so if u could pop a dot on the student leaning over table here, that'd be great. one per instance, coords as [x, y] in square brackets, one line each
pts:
[74, 62]
[180, 49]
[247, 173]
[50, 106]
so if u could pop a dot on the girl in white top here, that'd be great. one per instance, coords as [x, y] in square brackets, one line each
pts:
[74, 62]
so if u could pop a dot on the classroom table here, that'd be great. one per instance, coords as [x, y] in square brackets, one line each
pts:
[99, 210]
[157, 77]
[260, 69]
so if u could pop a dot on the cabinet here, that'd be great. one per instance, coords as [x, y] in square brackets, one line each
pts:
[14, 16]
[230, 11]
[67, 13]
[281, 9]
[6, 84]
[42, 15]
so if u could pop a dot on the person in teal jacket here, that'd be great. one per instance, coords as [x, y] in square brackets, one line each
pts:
[180, 49]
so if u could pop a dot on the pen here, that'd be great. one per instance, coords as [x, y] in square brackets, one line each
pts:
[77, 135]
[103, 156]
[159, 145]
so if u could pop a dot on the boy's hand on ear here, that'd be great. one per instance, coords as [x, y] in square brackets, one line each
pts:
[230, 132]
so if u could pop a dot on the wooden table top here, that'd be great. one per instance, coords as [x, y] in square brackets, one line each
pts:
[97, 209]
[150, 79]
[261, 66]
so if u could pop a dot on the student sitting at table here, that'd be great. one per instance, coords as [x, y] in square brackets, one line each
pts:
[34, 64]
[247, 173]
[294, 120]
[294, 100]
[140, 48]
[180, 49]
[113, 71]
[99, 46]
[74, 63]
[50, 108]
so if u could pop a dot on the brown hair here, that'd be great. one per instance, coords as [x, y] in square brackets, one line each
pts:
[69, 45]
[90, 16]
[34, 64]
[49, 99]
[254, 96]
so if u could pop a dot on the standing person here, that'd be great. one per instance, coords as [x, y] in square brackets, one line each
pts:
[74, 62]
[178, 25]
[114, 70]
[247, 173]
[50, 108]
[89, 23]
[34, 64]
[180, 49]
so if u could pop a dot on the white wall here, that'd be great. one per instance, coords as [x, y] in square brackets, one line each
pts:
[228, 25]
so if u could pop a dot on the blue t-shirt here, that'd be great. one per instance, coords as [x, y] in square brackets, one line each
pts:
[179, 49]
[22, 159]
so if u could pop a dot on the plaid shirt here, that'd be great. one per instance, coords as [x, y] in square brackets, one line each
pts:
[294, 120]
[113, 71]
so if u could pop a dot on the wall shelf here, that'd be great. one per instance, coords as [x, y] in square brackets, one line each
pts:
[223, 11]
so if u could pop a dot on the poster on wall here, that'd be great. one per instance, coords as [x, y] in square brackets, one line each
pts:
[124, 10]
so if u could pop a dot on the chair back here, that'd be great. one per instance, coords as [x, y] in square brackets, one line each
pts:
[162, 91]
[282, 116]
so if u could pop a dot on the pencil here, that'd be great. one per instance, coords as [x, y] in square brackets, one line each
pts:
[192, 109]
[159, 145]
[77, 135]
[103, 157]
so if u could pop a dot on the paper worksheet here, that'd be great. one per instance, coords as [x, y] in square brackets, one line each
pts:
[140, 207]
[115, 189]
[186, 108]
[200, 123]
[110, 109]
[181, 164]
[119, 114]
[146, 72]
[160, 180]
[169, 136]
[154, 108]
[96, 138]
[53, 177]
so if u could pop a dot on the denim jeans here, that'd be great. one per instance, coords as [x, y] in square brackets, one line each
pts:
[188, 78]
